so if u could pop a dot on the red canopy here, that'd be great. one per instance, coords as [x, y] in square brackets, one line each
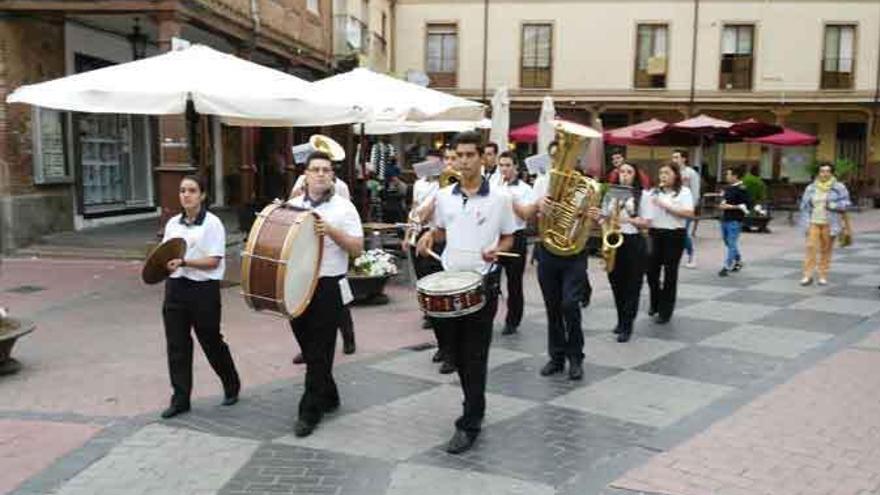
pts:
[695, 130]
[788, 137]
[529, 133]
[631, 134]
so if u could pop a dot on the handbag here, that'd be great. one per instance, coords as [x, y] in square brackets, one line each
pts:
[845, 234]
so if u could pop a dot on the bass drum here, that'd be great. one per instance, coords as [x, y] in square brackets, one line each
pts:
[281, 260]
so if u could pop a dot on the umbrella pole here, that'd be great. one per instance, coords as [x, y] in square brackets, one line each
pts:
[365, 194]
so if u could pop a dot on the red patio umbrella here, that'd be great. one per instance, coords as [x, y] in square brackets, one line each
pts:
[525, 134]
[632, 134]
[788, 137]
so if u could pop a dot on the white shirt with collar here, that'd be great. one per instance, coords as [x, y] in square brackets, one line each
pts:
[340, 213]
[539, 188]
[472, 225]
[662, 218]
[339, 186]
[520, 193]
[205, 237]
[423, 191]
[627, 211]
[691, 179]
[494, 177]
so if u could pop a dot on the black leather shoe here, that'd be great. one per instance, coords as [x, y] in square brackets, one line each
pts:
[303, 428]
[652, 312]
[174, 410]
[348, 347]
[575, 370]
[298, 359]
[331, 408]
[508, 330]
[552, 367]
[661, 320]
[623, 337]
[437, 357]
[460, 442]
[229, 400]
[447, 367]
[617, 330]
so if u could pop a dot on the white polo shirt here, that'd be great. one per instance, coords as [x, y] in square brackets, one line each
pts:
[340, 213]
[472, 224]
[521, 194]
[494, 177]
[539, 188]
[660, 217]
[691, 179]
[339, 187]
[205, 237]
[423, 190]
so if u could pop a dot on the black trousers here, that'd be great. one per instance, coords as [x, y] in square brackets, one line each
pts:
[424, 266]
[563, 280]
[191, 305]
[667, 246]
[469, 338]
[626, 279]
[513, 271]
[315, 332]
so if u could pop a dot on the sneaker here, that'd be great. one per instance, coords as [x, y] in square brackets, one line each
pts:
[508, 330]
[723, 272]
[823, 281]
[806, 280]
[691, 263]
[737, 266]
[553, 367]
[447, 367]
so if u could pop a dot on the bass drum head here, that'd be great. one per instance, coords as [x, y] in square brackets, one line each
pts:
[302, 252]
[442, 283]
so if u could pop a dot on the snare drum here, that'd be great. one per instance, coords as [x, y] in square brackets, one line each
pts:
[451, 294]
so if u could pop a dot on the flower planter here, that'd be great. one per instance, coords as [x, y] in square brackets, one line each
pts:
[10, 330]
[368, 290]
[756, 224]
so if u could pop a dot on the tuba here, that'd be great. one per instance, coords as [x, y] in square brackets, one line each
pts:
[449, 176]
[565, 227]
[319, 142]
[612, 237]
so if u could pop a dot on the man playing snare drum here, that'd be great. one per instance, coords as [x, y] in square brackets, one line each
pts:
[476, 221]
[315, 328]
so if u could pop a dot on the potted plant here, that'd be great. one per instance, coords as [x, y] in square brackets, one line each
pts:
[10, 330]
[368, 274]
[758, 217]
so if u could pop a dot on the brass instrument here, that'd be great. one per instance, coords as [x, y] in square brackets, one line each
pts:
[612, 237]
[413, 227]
[319, 142]
[565, 226]
[449, 176]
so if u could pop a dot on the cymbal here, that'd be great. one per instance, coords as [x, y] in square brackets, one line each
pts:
[154, 270]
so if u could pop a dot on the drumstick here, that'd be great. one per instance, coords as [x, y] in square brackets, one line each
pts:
[435, 256]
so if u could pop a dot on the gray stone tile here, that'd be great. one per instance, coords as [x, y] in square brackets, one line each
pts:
[522, 379]
[400, 429]
[853, 268]
[767, 271]
[681, 329]
[604, 350]
[159, 459]
[872, 342]
[871, 281]
[788, 286]
[409, 479]
[701, 291]
[530, 338]
[869, 293]
[810, 321]
[770, 341]
[643, 398]
[712, 365]
[417, 364]
[546, 444]
[766, 298]
[288, 469]
[726, 311]
[840, 305]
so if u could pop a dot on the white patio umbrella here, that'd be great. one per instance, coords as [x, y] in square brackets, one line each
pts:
[427, 126]
[500, 117]
[546, 134]
[217, 83]
[387, 99]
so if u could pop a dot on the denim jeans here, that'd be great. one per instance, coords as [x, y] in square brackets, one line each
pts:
[688, 238]
[730, 230]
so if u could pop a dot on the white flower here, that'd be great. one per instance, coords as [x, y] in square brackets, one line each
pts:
[375, 263]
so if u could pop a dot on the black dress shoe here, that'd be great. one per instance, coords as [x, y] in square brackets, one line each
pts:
[229, 400]
[652, 312]
[298, 359]
[303, 428]
[348, 347]
[508, 330]
[575, 370]
[332, 407]
[174, 410]
[617, 330]
[623, 337]
[552, 367]
[460, 442]
[437, 357]
[662, 320]
[447, 367]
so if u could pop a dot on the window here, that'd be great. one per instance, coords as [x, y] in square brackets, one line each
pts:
[651, 56]
[442, 54]
[736, 57]
[838, 60]
[313, 6]
[536, 60]
[50, 153]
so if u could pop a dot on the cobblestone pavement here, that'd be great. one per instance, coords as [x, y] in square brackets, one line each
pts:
[757, 385]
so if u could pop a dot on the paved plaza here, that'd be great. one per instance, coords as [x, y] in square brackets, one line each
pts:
[756, 386]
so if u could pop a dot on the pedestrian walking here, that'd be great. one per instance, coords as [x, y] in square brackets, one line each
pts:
[822, 209]
[734, 207]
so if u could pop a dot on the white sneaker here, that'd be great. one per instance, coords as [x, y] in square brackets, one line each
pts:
[690, 263]
[823, 281]
[806, 281]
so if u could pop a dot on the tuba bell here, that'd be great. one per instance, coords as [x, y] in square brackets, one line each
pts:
[322, 143]
[449, 176]
[565, 227]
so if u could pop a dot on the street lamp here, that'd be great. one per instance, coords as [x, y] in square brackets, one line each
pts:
[138, 41]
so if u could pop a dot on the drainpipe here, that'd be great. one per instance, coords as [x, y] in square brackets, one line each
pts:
[485, 45]
[694, 56]
[255, 17]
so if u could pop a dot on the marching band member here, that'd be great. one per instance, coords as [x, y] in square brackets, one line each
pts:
[490, 164]
[315, 328]
[192, 298]
[476, 221]
[671, 204]
[521, 196]
[629, 267]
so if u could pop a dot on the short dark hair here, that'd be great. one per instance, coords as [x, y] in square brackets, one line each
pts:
[507, 154]
[618, 152]
[318, 155]
[737, 171]
[200, 181]
[469, 137]
[825, 164]
[435, 153]
[683, 152]
[493, 145]
[676, 172]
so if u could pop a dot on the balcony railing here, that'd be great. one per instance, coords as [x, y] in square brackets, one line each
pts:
[837, 73]
[351, 35]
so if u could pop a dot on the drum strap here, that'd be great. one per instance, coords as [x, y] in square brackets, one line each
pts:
[492, 281]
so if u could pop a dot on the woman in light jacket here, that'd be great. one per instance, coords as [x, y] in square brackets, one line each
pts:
[822, 205]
